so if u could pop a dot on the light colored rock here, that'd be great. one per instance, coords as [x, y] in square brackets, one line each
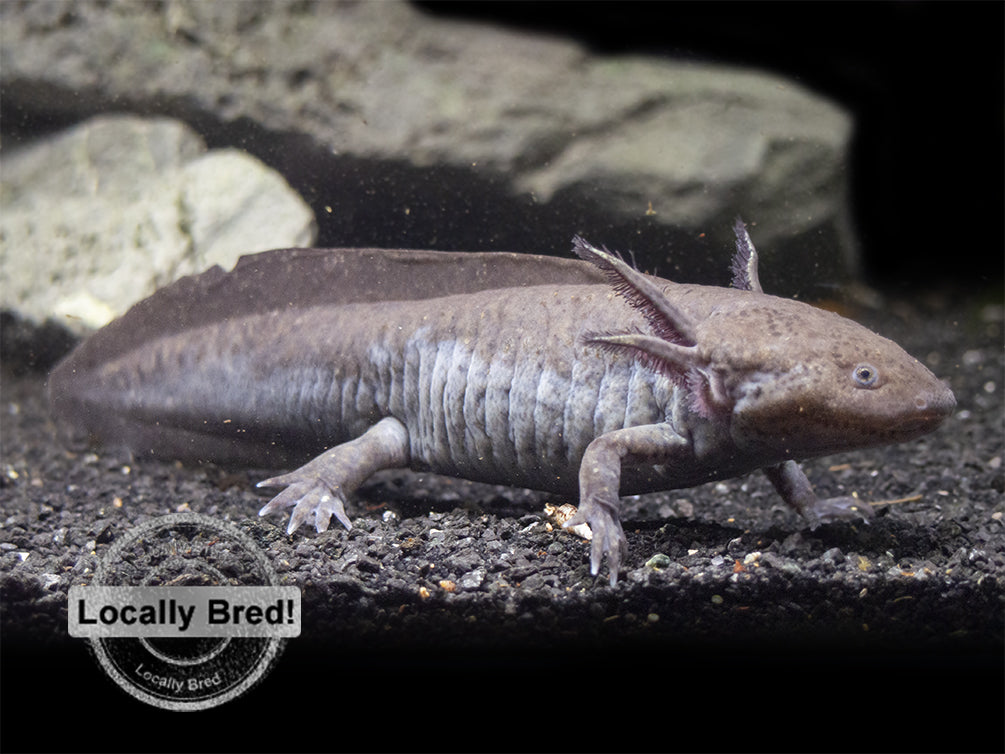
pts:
[99, 216]
[702, 139]
[235, 205]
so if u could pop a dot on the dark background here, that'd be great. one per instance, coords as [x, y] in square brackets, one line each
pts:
[924, 81]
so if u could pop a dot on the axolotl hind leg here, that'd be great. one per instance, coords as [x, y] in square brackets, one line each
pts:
[320, 487]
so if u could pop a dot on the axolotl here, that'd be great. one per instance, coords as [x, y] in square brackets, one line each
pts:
[581, 377]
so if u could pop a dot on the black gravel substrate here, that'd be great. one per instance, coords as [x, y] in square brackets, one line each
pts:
[453, 616]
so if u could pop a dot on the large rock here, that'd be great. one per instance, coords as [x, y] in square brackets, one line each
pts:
[100, 216]
[407, 130]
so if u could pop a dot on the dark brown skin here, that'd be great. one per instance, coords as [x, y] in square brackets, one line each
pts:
[552, 374]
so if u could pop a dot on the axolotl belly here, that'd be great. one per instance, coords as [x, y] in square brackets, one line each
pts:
[587, 378]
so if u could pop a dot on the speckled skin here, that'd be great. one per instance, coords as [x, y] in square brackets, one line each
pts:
[570, 385]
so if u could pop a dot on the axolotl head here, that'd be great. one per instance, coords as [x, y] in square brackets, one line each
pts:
[798, 381]
[785, 379]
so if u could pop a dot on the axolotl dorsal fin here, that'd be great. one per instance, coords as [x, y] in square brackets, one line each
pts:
[300, 278]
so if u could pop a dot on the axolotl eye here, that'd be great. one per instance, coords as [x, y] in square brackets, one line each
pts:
[865, 375]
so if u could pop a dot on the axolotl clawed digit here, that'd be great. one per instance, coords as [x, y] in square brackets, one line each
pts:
[585, 377]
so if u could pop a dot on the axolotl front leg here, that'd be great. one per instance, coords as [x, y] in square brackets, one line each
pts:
[656, 444]
[600, 481]
[795, 489]
[320, 487]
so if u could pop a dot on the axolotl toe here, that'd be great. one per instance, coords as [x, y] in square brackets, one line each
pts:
[583, 377]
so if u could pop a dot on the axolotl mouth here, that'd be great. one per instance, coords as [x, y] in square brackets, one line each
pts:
[932, 407]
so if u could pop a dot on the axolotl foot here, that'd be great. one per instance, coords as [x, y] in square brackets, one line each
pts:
[309, 497]
[608, 537]
[320, 487]
[835, 509]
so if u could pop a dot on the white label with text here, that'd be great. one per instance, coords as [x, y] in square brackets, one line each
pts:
[184, 611]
